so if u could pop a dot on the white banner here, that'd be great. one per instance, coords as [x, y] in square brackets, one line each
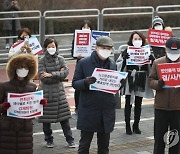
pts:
[33, 43]
[25, 105]
[138, 56]
[107, 80]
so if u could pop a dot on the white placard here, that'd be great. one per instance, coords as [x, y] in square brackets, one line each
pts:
[25, 105]
[107, 80]
[138, 56]
[33, 43]
[82, 43]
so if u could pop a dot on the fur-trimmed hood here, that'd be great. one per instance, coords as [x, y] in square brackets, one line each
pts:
[30, 60]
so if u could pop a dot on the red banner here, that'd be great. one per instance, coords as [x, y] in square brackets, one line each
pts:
[170, 73]
[158, 38]
[82, 39]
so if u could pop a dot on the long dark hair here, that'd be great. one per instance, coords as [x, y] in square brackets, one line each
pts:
[141, 35]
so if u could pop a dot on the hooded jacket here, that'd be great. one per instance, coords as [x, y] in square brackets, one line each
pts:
[16, 134]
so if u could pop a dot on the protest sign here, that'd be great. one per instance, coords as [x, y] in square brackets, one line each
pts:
[33, 43]
[138, 56]
[82, 44]
[107, 80]
[95, 35]
[170, 74]
[25, 105]
[158, 38]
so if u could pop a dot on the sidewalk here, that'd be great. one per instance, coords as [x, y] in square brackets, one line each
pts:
[120, 143]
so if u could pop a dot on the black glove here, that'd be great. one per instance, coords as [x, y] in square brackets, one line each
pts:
[89, 80]
[125, 55]
[151, 57]
[161, 83]
[123, 82]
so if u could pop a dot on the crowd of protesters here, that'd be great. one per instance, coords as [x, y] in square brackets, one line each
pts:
[95, 109]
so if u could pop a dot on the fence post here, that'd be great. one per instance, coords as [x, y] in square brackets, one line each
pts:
[42, 30]
[100, 22]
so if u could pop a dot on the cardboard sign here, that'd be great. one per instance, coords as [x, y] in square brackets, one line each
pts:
[158, 38]
[170, 74]
[82, 44]
[138, 56]
[25, 105]
[95, 35]
[33, 43]
[107, 80]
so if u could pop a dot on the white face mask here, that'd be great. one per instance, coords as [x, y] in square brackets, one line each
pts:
[22, 72]
[137, 43]
[51, 51]
[173, 57]
[158, 27]
[104, 53]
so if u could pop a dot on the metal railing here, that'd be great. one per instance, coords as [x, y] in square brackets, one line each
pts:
[89, 13]
[38, 16]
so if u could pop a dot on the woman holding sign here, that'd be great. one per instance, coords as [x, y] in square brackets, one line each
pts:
[158, 24]
[16, 135]
[136, 85]
[24, 35]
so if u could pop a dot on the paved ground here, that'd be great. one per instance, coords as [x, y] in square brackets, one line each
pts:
[120, 143]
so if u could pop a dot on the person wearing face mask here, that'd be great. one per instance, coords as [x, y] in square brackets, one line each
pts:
[136, 84]
[16, 135]
[96, 112]
[158, 24]
[167, 101]
[52, 72]
[24, 35]
[86, 24]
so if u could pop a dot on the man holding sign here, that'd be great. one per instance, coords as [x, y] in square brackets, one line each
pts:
[96, 111]
[16, 135]
[167, 99]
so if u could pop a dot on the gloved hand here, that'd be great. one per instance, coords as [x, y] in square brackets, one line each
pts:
[151, 57]
[123, 83]
[44, 102]
[5, 105]
[89, 80]
[161, 83]
[125, 55]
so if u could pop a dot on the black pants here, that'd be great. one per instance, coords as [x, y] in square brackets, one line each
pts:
[137, 109]
[76, 98]
[66, 130]
[102, 142]
[164, 121]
